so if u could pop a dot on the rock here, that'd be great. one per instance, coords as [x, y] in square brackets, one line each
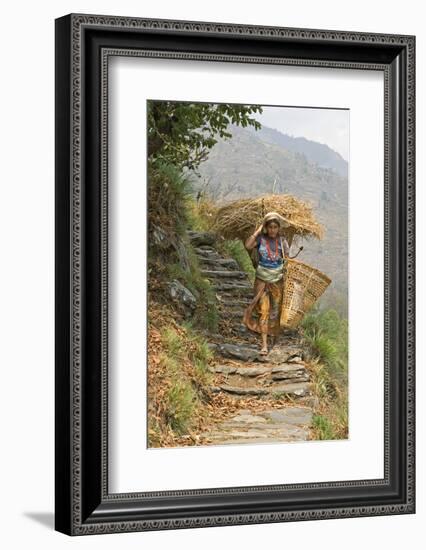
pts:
[289, 371]
[246, 418]
[246, 371]
[182, 295]
[244, 353]
[198, 238]
[238, 390]
[252, 371]
[295, 359]
[284, 354]
[296, 389]
[223, 369]
[243, 330]
[182, 254]
[160, 237]
[299, 377]
[290, 415]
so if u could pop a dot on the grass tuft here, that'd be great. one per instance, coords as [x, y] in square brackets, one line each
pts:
[326, 333]
[181, 376]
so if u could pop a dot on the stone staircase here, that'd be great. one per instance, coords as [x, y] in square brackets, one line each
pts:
[241, 372]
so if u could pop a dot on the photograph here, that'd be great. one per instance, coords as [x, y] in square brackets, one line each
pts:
[247, 261]
[234, 274]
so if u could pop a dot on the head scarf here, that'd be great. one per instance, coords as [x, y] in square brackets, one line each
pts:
[276, 217]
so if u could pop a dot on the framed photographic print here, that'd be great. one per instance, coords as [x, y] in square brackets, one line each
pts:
[235, 213]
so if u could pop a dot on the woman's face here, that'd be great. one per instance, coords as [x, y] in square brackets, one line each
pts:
[272, 229]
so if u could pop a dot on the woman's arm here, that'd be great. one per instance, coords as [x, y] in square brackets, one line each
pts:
[286, 248]
[250, 242]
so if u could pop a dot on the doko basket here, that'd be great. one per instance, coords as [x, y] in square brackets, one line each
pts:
[303, 286]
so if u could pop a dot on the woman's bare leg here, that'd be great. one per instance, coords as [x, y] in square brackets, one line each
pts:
[264, 343]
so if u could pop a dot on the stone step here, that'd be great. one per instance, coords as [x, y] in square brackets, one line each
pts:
[201, 238]
[286, 353]
[282, 434]
[291, 389]
[270, 426]
[244, 352]
[219, 263]
[224, 273]
[207, 252]
[231, 314]
[282, 372]
[236, 302]
[206, 249]
[235, 287]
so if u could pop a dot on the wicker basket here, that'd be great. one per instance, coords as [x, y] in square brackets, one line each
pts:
[302, 287]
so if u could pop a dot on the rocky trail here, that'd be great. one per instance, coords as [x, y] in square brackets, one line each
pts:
[241, 372]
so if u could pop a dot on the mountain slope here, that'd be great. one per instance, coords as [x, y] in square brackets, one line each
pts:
[315, 153]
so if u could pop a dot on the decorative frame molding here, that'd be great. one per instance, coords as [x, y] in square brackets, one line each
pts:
[84, 43]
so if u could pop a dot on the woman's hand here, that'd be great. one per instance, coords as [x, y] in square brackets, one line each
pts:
[251, 241]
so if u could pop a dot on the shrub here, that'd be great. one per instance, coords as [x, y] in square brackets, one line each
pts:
[236, 249]
[168, 195]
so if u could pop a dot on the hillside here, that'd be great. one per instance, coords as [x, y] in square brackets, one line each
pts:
[249, 166]
[315, 153]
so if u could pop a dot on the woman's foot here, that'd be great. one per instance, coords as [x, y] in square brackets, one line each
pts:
[264, 351]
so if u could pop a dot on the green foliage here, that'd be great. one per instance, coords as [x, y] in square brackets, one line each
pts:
[183, 133]
[171, 209]
[200, 357]
[327, 334]
[168, 194]
[181, 403]
[182, 399]
[196, 220]
[173, 344]
[324, 347]
[323, 426]
[206, 314]
[236, 249]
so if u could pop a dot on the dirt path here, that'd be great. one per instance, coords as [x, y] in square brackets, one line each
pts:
[240, 371]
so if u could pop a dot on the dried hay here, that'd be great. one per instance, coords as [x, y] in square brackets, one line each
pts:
[238, 219]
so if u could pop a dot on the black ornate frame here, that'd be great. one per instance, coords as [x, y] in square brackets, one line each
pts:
[82, 502]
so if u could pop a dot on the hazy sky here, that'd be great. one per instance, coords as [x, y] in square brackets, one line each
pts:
[329, 126]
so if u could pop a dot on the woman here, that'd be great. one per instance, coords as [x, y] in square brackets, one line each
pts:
[269, 280]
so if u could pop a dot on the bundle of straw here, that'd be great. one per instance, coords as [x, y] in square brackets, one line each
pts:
[239, 218]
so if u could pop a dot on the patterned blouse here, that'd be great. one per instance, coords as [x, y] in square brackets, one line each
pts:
[270, 252]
